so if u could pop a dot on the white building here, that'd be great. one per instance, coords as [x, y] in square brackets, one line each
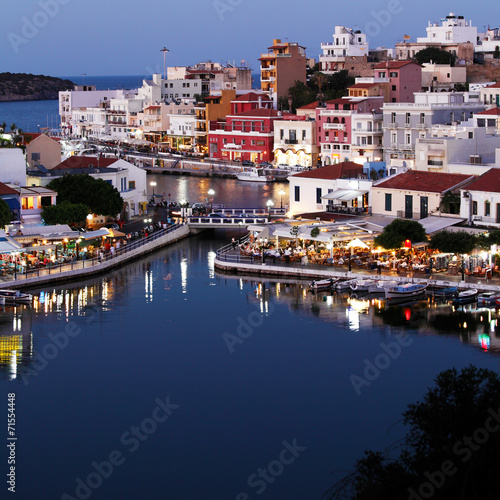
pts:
[346, 43]
[295, 143]
[404, 123]
[453, 29]
[490, 95]
[439, 77]
[12, 166]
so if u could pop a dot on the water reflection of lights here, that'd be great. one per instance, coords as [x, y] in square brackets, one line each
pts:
[353, 311]
[148, 285]
[484, 341]
[211, 268]
[184, 267]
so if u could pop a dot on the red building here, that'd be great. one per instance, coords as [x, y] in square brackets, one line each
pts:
[247, 133]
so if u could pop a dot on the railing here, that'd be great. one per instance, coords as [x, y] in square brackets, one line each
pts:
[291, 141]
[56, 268]
[221, 221]
[339, 209]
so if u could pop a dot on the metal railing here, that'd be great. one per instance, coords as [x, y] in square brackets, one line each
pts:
[73, 265]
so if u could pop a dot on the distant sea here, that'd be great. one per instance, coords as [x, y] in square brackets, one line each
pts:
[31, 116]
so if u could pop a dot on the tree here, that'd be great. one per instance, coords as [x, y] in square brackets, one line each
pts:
[436, 55]
[65, 213]
[399, 230]
[5, 214]
[450, 203]
[314, 232]
[451, 448]
[101, 197]
[453, 241]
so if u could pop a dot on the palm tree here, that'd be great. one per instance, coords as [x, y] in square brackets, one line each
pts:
[13, 127]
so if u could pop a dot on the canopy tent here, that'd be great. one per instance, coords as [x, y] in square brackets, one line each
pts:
[8, 245]
[357, 243]
[344, 194]
[114, 233]
[39, 248]
[99, 233]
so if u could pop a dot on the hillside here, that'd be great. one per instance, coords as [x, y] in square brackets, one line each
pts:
[27, 87]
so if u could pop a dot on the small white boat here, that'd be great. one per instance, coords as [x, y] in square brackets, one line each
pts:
[255, 175]
[466, 297]
[381, 286]
[344, 285]
[362, 285]
[326, 284]
[408, 291]
[15, 297]
[488, 298]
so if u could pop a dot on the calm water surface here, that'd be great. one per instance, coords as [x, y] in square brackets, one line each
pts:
[254, 366]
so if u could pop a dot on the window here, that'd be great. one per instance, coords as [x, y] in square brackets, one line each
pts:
[243, 142]
[422, 118]
[474, 208]
[318, 196]
[471, 135]
[407, 119]
[282, 133]
[393, 138]
[388, 202]
[393, 74]
[297, 193]
[394, 88]
[381, 74]
[131, 184]
[408, 139]
[487, 208]
[303, 135]
[393, 117]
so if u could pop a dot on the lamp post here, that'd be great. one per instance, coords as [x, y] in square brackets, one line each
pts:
[211, 194]
[240, 223]
[269, 204]
[463, 268]
[153, 184]
[281, 193]
[164, 50]
[183, 205]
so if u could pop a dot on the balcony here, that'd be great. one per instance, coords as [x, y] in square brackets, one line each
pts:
[406, 147]
[334, 126]
[291, 141]
[336, 112]
[367, 131]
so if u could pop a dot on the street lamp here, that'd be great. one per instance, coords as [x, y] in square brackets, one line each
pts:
[281, 193]
[211, 194]
[269, 204]
[153, 184]
[183, 205]
[240, 223]
[463, 268]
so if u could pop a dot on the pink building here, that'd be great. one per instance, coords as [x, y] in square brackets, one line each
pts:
[350, 129]
[404, 77]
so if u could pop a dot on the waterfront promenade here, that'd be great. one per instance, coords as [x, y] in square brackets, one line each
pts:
[229, 259]
[79, 269]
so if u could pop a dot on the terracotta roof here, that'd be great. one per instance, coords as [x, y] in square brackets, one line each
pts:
[419, 180]
[393, 64]
[6, 189]
[35, 135]
[494, 111]
[347, 100]
[260, 112]
[252, 97]
[312, 105]
[494, 86]
[347, 169]
[489, 182]
[85, 162]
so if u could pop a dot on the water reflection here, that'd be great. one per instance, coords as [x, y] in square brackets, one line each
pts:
[473, 325]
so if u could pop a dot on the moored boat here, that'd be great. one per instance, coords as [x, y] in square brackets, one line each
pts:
[381, 286]
[487, 298]
[407, 291]
[344, 285]
[466, 297]
[255, 175]
[362, 285]
[326, 284]
[15, 297]
[450, 291]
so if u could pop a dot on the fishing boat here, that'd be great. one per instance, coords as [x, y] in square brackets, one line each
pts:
[361, 285]
[465, 297]
[407, 291]
[15, 297]
[450, 291]
[381, 286]
[344, 285]
[488, 298]
[321, 285]
[255, 175]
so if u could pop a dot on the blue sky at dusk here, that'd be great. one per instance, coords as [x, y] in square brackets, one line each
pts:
[111, 37]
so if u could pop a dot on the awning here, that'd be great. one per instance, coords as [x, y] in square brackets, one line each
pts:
[90, 235]
[344, 194]
[40, 248]
[13, 203]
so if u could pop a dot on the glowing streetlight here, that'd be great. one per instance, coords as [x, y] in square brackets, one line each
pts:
[153, 184]
[211, 194]
[269, 204]
[281, 193]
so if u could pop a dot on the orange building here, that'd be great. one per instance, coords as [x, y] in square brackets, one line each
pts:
[281, 67]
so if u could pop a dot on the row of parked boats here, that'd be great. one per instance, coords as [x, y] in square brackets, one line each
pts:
[396, 292]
